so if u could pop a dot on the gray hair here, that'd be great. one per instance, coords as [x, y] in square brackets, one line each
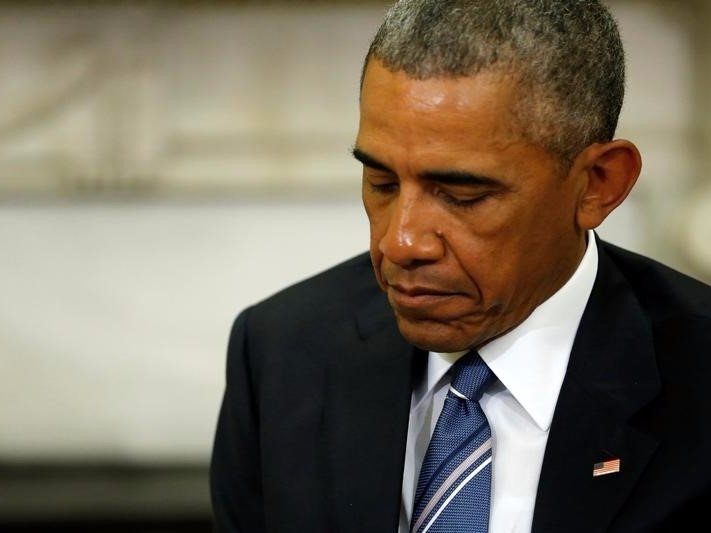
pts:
[566, 57]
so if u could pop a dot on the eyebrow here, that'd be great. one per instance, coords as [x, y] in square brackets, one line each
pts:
[368, 160]
[446, 177]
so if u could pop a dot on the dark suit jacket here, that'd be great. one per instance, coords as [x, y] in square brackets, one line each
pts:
[311, 435]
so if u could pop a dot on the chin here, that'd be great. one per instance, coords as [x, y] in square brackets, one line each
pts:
[436, 337]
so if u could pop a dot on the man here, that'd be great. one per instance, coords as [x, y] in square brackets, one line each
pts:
[486, 137]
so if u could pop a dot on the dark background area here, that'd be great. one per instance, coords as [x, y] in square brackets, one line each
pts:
[104, 498]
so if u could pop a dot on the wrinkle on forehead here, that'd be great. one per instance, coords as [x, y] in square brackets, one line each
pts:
[388, 93]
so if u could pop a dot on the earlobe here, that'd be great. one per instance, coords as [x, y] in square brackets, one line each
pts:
[610, 171]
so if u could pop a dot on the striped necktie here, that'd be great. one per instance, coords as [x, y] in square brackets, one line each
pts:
[454, 486]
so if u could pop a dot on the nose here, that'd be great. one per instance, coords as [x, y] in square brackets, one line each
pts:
[411, 236]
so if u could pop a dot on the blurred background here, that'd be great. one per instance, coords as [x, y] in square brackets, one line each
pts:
[164, 164]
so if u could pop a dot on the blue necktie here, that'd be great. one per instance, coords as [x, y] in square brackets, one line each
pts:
[454, 486]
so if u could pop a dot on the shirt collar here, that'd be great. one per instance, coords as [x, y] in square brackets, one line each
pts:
[531, 359]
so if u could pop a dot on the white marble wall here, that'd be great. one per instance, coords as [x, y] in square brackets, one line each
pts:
[114, 318]
[192, 100]
[162, 167]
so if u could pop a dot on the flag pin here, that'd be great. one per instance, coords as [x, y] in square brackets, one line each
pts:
[608, 466]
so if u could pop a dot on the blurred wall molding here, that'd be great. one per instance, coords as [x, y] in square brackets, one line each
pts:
[179, 99]
[254, 99]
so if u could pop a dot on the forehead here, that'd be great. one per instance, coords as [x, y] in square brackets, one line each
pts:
[470, 110]
[469, 123]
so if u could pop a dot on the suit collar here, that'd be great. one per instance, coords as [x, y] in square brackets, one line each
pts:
[375, 316]
[611, 375]
[367, 409]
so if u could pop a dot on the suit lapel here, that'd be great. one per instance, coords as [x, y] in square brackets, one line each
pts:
[611, 375]
[366, 418]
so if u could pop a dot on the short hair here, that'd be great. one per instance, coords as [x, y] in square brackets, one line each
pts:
[565, 56]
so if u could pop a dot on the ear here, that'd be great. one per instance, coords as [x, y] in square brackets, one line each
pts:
[608, 172]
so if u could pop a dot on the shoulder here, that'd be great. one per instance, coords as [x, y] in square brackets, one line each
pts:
[286, 341]
[663, 292]
[678, 311]
[313, 313]
[340, 289]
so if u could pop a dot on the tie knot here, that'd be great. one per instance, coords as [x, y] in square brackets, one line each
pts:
[471, 376]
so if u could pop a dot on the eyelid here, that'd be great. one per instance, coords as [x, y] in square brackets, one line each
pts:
[382, 188]
[377, 177]
[469, 202]
[380, 181]
[464, 200]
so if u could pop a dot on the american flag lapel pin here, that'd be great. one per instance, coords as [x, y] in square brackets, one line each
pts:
[608, 466]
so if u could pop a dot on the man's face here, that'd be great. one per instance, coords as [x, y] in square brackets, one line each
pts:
[471, 227]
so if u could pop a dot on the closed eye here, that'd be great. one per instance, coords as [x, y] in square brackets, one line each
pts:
[383, 188]
[463, 189]
[469, 201]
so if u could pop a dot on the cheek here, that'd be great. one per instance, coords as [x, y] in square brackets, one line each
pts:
[376, 234]
[377, 219]
[377, 230]
[492, 262]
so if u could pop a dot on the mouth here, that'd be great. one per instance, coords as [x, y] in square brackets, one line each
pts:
[417, 297]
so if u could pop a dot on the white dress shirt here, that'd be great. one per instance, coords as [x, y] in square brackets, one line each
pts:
[530, 363]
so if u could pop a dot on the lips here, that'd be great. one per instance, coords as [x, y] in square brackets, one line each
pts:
[417, 297]
[418, 290]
